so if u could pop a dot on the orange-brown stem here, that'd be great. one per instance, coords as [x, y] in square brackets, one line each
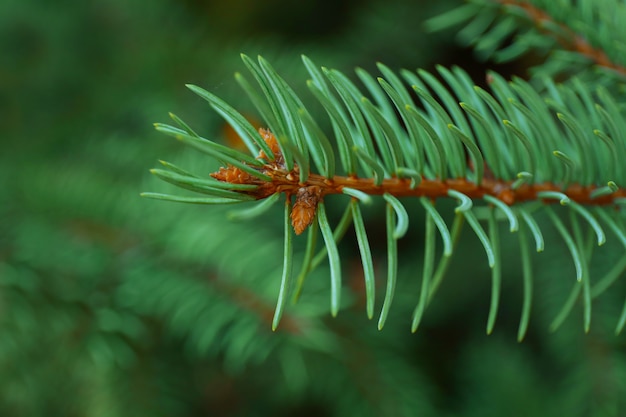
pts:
[288, 183]
[308, 194]
[572, 41]
[311, 192]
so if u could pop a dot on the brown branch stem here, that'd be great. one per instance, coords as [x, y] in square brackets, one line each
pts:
[316, 187]
[572, 41]
[288, 183]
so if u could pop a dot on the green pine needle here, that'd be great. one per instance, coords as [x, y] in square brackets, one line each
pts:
[392, 264]
[285, 281]
[333, 259]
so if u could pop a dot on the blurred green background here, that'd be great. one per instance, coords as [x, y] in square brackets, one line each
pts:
[112, 305]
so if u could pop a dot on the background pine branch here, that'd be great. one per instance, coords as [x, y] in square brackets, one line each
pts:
[115, 305]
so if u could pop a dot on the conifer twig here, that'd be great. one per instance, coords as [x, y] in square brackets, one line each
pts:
[565, 36]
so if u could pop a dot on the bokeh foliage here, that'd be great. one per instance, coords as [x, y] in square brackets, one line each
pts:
[112, 305]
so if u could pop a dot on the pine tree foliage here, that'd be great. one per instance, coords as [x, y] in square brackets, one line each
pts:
[584, 38]
[508, 152]
[114, 305]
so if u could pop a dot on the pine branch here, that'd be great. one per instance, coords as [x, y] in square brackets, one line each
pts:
[566, 37]
[572, 35]
[515, 150]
